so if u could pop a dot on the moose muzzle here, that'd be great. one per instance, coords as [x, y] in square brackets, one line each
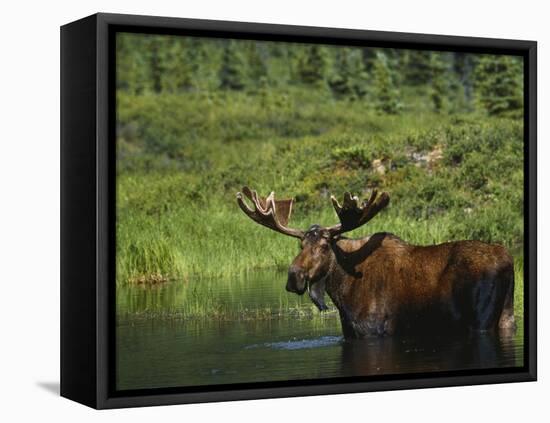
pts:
[297, 280]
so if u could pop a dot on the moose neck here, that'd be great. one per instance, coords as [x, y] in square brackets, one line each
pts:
[348, 254]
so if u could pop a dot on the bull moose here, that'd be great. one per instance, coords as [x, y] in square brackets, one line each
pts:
[380, 284]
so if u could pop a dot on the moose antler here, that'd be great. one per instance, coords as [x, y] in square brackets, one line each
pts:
[269, 212]
[352, 215]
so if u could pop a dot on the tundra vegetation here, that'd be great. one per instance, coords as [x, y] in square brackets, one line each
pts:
[199, 118]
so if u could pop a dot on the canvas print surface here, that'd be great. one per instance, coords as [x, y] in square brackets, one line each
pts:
[393, 242]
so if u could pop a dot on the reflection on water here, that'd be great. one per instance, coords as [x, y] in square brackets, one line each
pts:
[394, 355]
[155, 351]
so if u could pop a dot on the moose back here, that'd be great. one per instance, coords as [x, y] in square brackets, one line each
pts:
[382, 285]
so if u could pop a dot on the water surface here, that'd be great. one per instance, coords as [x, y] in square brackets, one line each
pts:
[158, 346]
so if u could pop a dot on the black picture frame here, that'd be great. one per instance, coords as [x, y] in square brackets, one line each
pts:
[87, 209]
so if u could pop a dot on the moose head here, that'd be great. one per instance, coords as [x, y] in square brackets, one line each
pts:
[318, 250]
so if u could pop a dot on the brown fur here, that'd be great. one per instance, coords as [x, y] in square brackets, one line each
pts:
[380, 284]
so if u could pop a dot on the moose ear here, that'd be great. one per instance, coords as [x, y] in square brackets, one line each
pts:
[316, 293]
[284, 210]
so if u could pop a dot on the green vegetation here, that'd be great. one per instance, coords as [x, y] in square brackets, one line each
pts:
[439, 77]
[499, 85]
[233, 70]
[349, 79]
[386, 95]
[312, 65]
[197, 119]
[259, 295]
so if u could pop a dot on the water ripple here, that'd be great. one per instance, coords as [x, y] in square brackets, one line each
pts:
[300, 344]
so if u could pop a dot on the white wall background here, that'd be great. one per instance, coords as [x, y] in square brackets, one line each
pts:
[29, 209]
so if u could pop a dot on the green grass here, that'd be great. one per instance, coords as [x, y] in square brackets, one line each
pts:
[518, 291]
[182, 158]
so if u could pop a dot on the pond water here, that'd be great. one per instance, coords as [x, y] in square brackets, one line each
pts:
[167, 338]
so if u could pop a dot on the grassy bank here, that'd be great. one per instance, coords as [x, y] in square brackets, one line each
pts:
[177, 214]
